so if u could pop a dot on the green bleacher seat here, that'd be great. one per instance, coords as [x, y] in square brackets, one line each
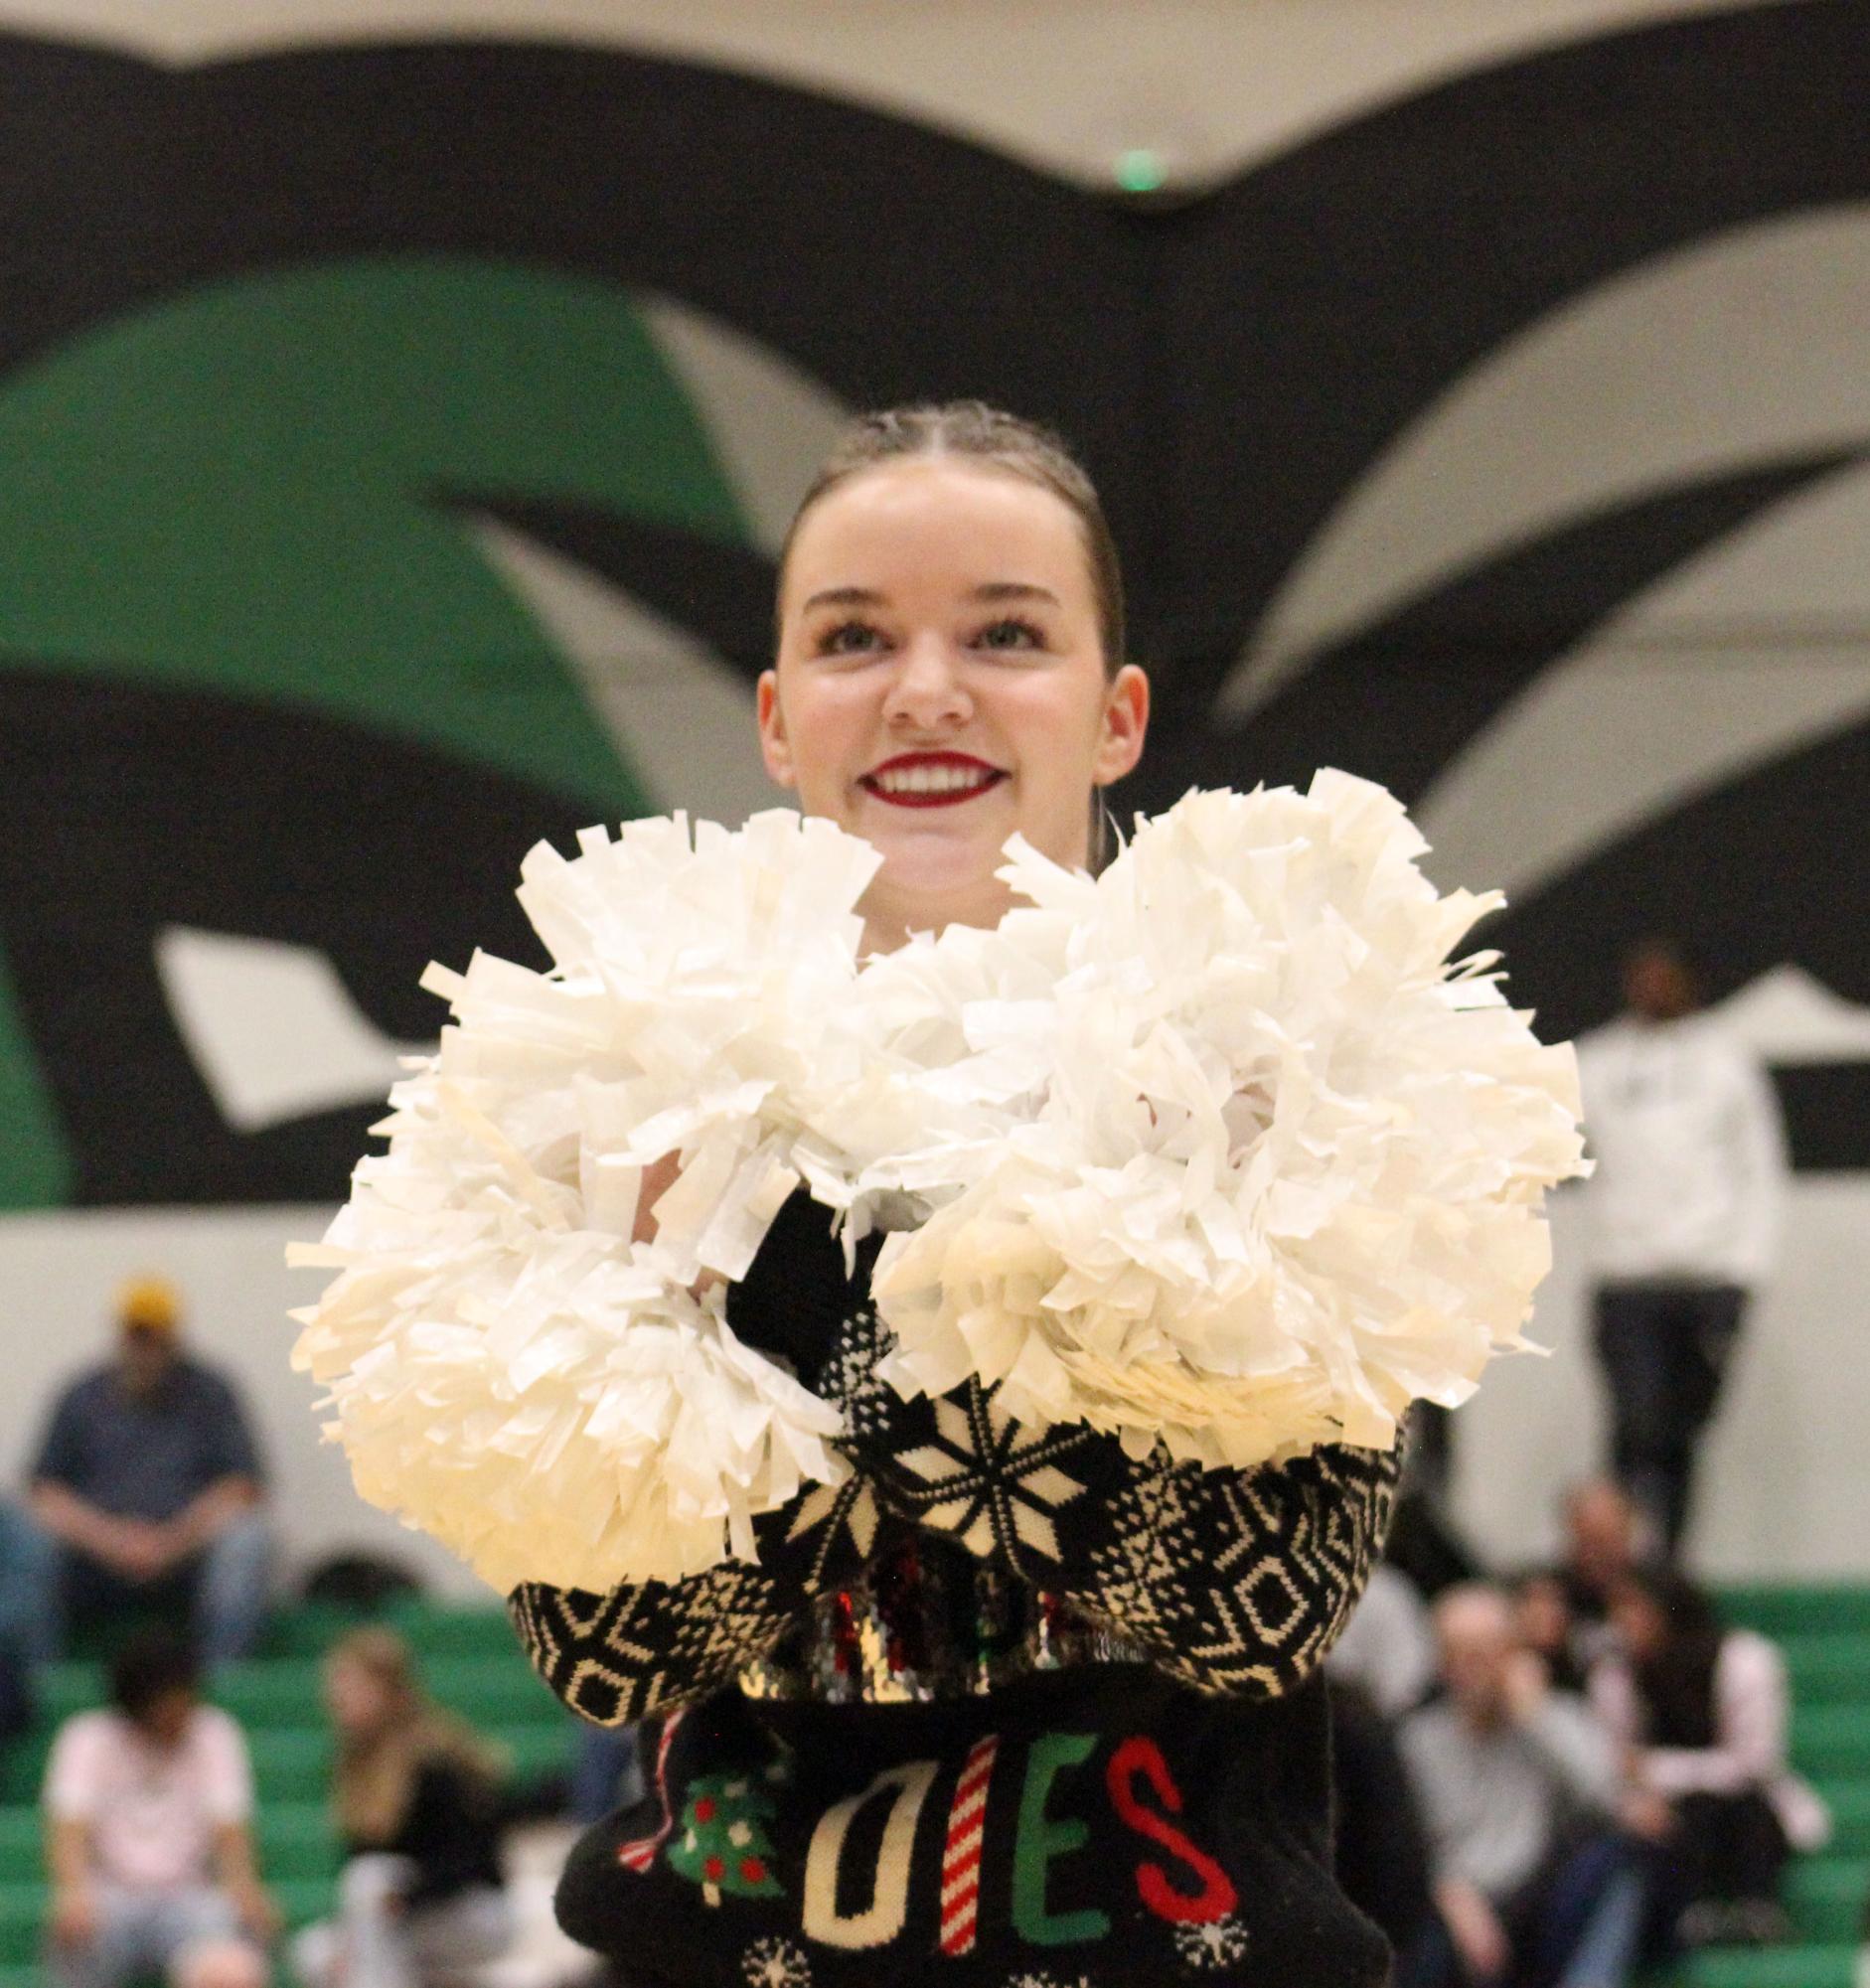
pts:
[22, 1915]
[1782, 1612]
[23, 1767]
[1828, 1669]
[1770, 1967]
[63, 1688]
[535, 1751]
[1825, 1896]
[297, 1841]
[490, 1690]
[290, 1764]
[308, 1628]
[301, 1900]
[271, 1691]
[465, 1630]
[1849, 1803]
[1832, 1740]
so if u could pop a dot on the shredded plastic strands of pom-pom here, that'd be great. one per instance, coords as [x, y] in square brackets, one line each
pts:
[511, 1372]
[1255, 1168]
[1216, 1149]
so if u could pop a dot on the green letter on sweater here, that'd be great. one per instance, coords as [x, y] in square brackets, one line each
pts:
[1039, 1842]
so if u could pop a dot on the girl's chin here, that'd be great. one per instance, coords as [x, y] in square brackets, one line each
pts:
[952, 853]
[941, 868]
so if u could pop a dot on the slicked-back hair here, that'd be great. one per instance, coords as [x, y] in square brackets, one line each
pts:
[973, 431]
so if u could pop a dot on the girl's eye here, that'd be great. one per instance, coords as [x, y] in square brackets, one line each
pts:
[847, 638]
[1011, 632]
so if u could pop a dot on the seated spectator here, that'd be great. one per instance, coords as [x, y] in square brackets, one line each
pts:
[1701, 1711]
[1387, 1649]
[1382, 1853]
[416, 1796]
[147, 1493]
[1543, 1623]
[1602, 1542]
[148, 1809]
[20, 1626]
[606, 1773]
[1423, 1543]
[1518, 1787]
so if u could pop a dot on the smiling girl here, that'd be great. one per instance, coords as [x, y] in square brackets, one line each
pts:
[1008, 1708]
[949, 667]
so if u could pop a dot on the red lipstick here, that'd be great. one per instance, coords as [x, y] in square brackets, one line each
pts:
[931, 779]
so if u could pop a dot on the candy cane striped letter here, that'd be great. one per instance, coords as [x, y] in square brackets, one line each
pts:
[639, 1855]
[961, 1858]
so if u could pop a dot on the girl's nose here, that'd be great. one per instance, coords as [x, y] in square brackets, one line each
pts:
[927, 688]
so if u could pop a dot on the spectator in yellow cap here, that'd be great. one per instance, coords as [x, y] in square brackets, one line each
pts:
[150, 1304]
[147, 1493]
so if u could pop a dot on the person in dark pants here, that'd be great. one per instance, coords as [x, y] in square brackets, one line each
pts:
[1684, 1214]
[19, 1631]
[146, 1495]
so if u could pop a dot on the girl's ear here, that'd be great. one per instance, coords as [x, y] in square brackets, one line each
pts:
[1125, 720]
[774, 748]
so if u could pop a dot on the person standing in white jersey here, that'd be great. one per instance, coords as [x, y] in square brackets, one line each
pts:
[1685, 1217]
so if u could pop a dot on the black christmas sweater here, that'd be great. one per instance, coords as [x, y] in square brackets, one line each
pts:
[1005, 1709]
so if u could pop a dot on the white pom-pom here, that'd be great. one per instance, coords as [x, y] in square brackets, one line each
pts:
[1251, 1167]
[509, 1370]
[1216, 1149]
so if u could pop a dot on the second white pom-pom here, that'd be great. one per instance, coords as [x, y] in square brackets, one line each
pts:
[1258, 1169]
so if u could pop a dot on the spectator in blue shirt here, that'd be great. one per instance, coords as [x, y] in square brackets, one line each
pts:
[147, 1493]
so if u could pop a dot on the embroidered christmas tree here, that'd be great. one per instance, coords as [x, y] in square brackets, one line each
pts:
[723, 1846]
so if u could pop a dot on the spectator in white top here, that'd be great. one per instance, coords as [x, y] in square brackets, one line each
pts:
[1518, 1788]
[148, 1820]
[1684, 1212]
[1700, 1712]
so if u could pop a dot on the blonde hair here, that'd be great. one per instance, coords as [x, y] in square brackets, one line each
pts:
[374, 1778]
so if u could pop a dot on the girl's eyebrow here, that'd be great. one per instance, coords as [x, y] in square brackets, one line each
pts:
[989, 591]
[844, 597]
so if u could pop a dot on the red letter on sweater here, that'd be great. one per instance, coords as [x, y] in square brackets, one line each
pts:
[1218, 1896]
